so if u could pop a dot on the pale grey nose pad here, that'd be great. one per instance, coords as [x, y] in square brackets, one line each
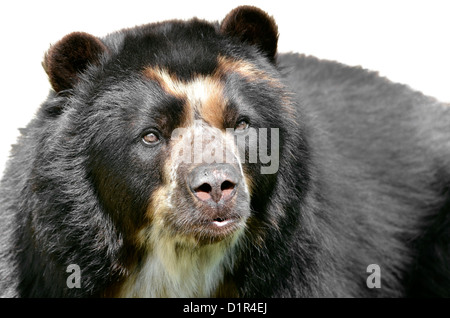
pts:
[214, 182]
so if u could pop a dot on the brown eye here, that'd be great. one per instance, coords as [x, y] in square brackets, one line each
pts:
[241, 125]
[150, 139]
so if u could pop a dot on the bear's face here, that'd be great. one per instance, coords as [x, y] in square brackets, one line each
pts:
[176, 123]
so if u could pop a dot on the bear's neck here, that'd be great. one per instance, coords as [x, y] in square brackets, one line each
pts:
[171, 269]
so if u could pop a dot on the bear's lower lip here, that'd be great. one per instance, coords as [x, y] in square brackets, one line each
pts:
[215, 230]
[221, 225]
[222, 222]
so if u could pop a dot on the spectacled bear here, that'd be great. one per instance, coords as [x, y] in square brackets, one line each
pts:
[190, 159]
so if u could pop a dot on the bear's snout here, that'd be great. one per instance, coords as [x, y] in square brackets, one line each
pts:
[215, 183]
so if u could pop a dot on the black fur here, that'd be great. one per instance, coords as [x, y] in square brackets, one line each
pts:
[364, 173]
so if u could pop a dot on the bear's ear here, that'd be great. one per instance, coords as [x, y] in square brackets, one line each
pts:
[253, 26]
[66, 59]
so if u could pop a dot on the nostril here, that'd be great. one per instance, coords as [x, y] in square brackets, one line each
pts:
[227, 187]
[203, 192]
[205, 187]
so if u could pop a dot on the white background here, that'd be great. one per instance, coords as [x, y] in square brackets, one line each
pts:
[407, 41]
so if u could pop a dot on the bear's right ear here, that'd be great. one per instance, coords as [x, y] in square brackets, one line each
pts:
[66, 59]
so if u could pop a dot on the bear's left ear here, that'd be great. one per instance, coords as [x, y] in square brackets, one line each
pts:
[253, 26]
[69, 57]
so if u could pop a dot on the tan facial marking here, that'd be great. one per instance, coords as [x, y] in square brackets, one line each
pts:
[203, 95]
[168, 82]
[244, 69]
[252, 74]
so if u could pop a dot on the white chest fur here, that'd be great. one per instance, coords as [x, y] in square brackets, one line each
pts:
[171, 269]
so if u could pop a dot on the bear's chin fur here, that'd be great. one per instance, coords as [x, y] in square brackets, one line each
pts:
[180, 267]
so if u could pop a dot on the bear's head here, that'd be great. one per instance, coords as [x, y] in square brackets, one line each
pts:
[169, 139]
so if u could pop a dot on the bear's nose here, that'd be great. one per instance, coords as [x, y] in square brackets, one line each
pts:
[214, 182]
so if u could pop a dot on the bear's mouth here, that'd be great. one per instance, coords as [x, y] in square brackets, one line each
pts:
[221, 222]
[224, 222]
[216, 229]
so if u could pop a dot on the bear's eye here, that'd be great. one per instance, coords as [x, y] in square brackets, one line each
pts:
[150, 139]
[241, 125]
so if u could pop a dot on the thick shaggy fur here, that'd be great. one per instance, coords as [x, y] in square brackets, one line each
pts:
[364, 173]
